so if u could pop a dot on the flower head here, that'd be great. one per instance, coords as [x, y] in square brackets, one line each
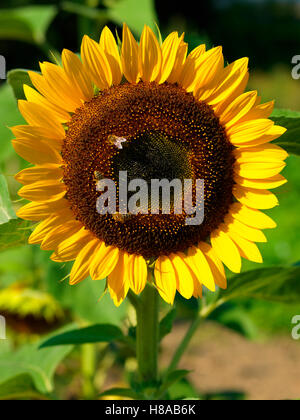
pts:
[155, 112]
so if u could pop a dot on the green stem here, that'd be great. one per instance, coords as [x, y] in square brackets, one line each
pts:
[183, 345]
[134, 299]
[204, 313]
[88, 367]
[147, 334]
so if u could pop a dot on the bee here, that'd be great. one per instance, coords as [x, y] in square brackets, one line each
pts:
[122, 218]
[98, 176]
[116, 141]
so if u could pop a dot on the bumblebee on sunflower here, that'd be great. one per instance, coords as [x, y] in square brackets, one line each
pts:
[180, 115]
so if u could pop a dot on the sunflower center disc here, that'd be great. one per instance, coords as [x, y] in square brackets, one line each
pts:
[152, 132]
[152, 156]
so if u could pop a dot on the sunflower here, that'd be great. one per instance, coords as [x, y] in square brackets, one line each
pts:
[154, 111]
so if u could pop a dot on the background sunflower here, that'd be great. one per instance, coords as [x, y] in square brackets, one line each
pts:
[30, 31]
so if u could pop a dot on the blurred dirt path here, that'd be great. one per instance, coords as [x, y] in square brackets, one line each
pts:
[222, 360]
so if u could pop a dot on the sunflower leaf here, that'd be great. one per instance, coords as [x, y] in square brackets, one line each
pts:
[30, 360]
[9, 116]
[275, 284]
[19, 388]
[290, 140]
[84, 11]
[166, 324]
[6, 210]
[14, 233]
[171, 379]
[16, 79]
[136, 13]
[101, 333]
[26, 23]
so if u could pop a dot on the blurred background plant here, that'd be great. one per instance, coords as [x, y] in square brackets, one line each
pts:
[34, 298]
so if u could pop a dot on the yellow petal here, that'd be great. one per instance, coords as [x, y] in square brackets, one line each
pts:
[261, 184]
[238, 108]
[75, 71]
[215, 265]
[246, 231]
[231, 83]
[41, 133]
[35, 135]
[50, 92]
[197, 289]
[256, 199]
[33, 96]
[47, 172]
[165, 279]
[226, 250]
[251, 217]
[40, 211]
[110, 48]
[246, 248]
[179, 61]
[104, 262]
[36, 152]
[118, 281]
[81, 266]
[42, 190]
[57, 235]
[241, 140]
[150, 56]
[183, 275]
[137, 273]
[169, 53]
[190, 67]
[38, 115]
[249, 130]
[259, 111]
[68, 249]
[47, 225]
[95, 63]
[258, 170]
[210, 65]
[198, 72]
[129, 56]
[198, 263]
[263, 153]
[60, 87]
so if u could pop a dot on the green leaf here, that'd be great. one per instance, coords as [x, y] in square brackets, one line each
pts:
[83, 299]
[290, 140]
[277, 284]
[16, 79]
[9, 116]
[6, 210]
[26, 23]
[166, 324]
[39, 364]
[171, 379]
[286, 113]
[14, 233]
[122, 392]
[84, 11]
[101, 333]
[19, 388]
[136, 13]
[179, 390]
[237, 319]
